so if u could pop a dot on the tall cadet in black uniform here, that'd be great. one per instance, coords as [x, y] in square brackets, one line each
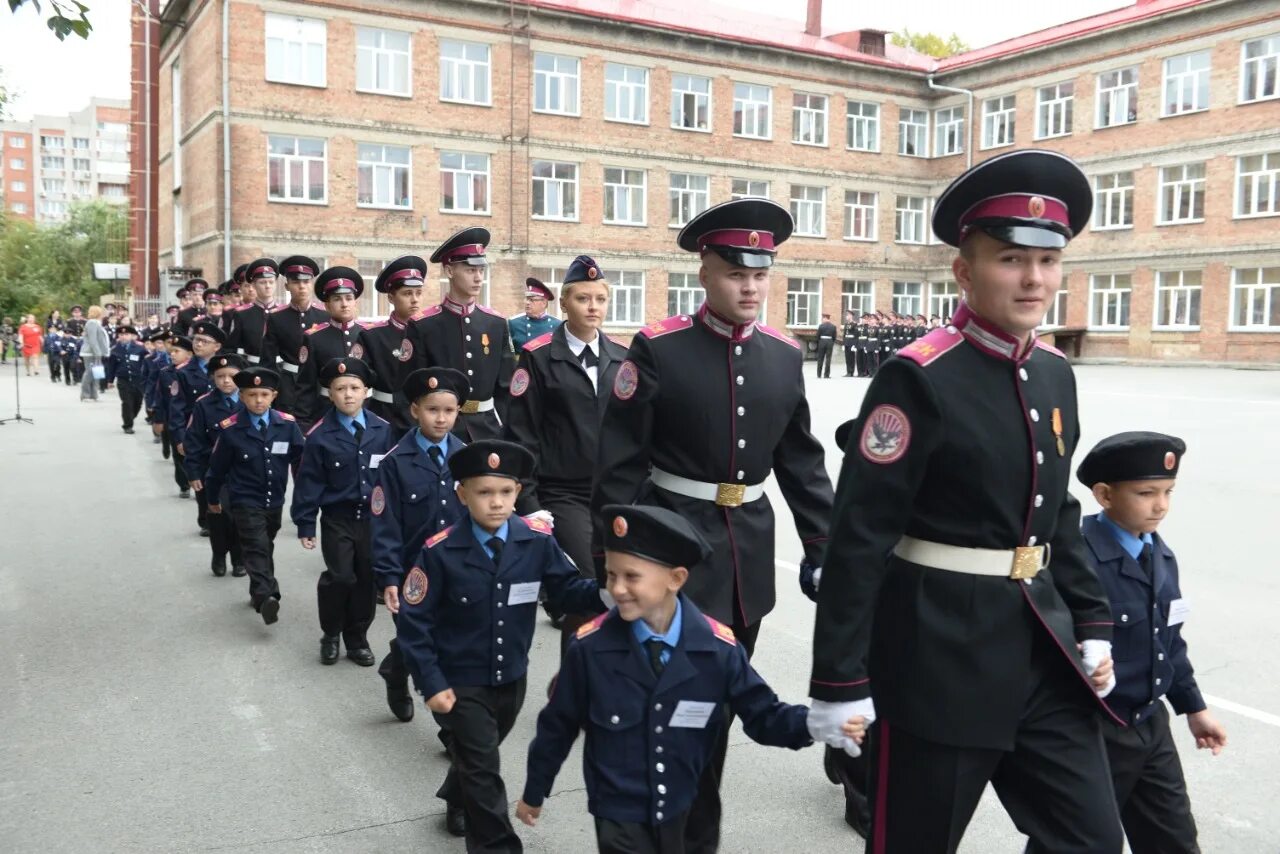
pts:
[460, 333]
[957, 593]
[250, 326]
[340, 288]
[736, 386]
[385, 345]
[287, 325]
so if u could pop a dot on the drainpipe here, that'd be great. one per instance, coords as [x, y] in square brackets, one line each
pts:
[968, 149]
[226, 136]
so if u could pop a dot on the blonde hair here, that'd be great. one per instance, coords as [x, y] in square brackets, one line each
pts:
[95, 311]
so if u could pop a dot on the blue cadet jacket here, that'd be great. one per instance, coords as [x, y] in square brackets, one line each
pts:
[124, 364]
[152, 364]
[167, 388]
[207, 417]
[413, 499]
[1148, 650]
[524, 328]
[648, 737]
[189, 382]
[464, 622]
[70, 348]
[254, 465]
[335, 473]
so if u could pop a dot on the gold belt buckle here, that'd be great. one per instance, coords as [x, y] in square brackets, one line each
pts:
[1027, 561]
[471, 407]
[730, 494]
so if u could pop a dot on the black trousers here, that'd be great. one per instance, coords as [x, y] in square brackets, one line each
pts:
[287, 397]
[55, 367]
[130, 403]
[474, 730]
[850, 361]
[344, 593]
[223, 539]
[824, 357]
[392, 667]
[478, 425]
[854, 774]
[627, 837]
[570, 504]
[1054, 783]
[179, 471]
[257, 528]
[68, 369]
[202, 503]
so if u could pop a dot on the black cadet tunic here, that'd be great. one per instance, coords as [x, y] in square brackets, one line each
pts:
[322, 342]
[286, 329]
[248, 331]
[386, 350]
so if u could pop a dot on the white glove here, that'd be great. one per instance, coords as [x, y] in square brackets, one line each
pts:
[817, 577]
[543, 516]
[1093, 653]
[826, 719]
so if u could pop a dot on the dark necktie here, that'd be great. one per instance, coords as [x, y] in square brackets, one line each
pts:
[262, 427]
[654, 646]
[495, 545]
[436, 456]
[359, 430]
[588, 357]
[1144, 559]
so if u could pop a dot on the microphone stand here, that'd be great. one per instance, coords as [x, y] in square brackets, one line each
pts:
[17, 393]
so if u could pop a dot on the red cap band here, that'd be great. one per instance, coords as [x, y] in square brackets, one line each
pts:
[471, 250]
[737, 238]
[335, 284]
[1018, 206]
[401, 275]
[253, 274]
[298, 268]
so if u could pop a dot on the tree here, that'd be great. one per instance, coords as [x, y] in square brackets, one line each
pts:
[69, 16]
[930, 44]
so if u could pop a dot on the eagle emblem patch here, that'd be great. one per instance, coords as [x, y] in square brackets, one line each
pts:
[885, 435]
[405, 353]
[378, 501]
[519, 382]
[415, 586]
[627, 381]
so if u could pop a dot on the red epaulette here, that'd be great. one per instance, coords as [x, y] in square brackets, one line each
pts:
[925, 351]
[429, 311]
[317, 327]
[1049, 347]
[286, 416]
[487, 310]
[376, 324]
[280, 308]
[667, 326]
[242, 306]
[314, 427]
[227, 422]
[593, 626]
[538, 525]
[776, 333]
[203, 396]
[318, 305]
[538, 343]
[721, 631]
[438, 537]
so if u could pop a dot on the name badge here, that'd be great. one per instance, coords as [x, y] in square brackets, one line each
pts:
[133, 358]
[1179, 610]
[692, 714]
[524, 593]
[375, 459]
[279, 447]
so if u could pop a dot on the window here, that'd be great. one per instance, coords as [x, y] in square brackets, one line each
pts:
[55, 186]
[809, 210]
[809, 119]
[53, 163]
[690, 102]
[690, 196]
[118, 128]
[295, 50]
[1186, 83]
[382, 176]
[752, 111]
[464, 72]
[296, 169]
[1255, 298]
[53, 142]
[1178, 299]
[626, 298]
[1117, 97]
[1109, 301]
[550, 276]
[382, 61]
[626, 93]
[1114, 206]
[113, 146]
[624, 195]
[18, 207]
[55, 210]
[909, 227]
[109, 191]
[862, 126]
[17, 163]
[913, 132]
[1260, 59]
[175, 72]
[944, 299]
[684, 294]
[80, 164]
[908, 297]
[948, 131]
[859, 215]
[84, 188]
[555, 84]
[464, 182]
[857, 296]
[804, 302]
[744, 188]
[1258, 185]
[17, 142]
[372, 303]
[80, 143]
[555, 190]
[1053, 110]
[1057, 313]
[1181, 194]
[18, 186]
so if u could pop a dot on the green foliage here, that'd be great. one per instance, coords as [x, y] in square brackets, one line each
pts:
[930, 44]
[51, 266]
[69, 16]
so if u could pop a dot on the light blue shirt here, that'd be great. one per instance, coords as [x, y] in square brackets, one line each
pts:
[203, 363]
[259, 421]
[483, 537]
[233, 399]
[1131, 544]
[349, 421]
[426, 444]
[644, 634]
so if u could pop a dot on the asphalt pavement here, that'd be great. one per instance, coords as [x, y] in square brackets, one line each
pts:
[145, 707]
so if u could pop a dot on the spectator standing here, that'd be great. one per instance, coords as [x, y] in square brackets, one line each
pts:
[93, 350]
[31, 333]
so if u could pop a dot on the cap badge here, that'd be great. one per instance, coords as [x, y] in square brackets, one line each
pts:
[480, 247]
[619, 526]
[342, 367]
[257, 380]
[1170, 460]
[754, 238]
[592, 272]
[494, 461]
[432, 382]
[1035, 206]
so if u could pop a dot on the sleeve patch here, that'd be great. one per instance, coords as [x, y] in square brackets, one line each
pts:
[627, 381]
[415, 586]
[378, 501]
[885, 435]
[667, 326]
[538, 525]
[435, 539]
[592, 627]
[721, 631]
[227, 422]
[520, 381]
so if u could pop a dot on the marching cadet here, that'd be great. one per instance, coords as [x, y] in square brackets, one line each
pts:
[459, 333]
[534, 322]
[558, 396]
[209, 413]
[287, 327]
[340, 288]
[216, 310]
[190, 382]
[252, 458]
[644, 681]
[192, 298]
[75, 323]
[1132, 476]
[69, 356]
[250, 325]
[335, 480]
[167, 391]
[936, 571]
[152, 365]
[826, 345]
[125, 368]
[385, 345]
[738, 386]
[850, 344]
[183, 295]
[413, 500]
[52, 345]
[466, 624]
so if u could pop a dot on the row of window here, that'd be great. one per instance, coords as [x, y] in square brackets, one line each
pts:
[1181, 193]
[1254, 304]
[57, 165]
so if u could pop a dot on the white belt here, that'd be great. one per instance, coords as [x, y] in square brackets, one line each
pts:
[252, 359]
[471, 407]
[324, 391]
[723, 494]
[286, 366]
[385, 397]
[1020, 563]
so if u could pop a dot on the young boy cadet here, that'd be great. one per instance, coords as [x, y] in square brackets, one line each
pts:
[1132, 476]
[415, 498]
[168, 390]
[467, 611]
[125, 370]
[207, 417]
[252, 458]
[156, 359]
[647, 681]
[335, 480]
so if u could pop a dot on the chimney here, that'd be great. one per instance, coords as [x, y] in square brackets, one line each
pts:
[813, 21]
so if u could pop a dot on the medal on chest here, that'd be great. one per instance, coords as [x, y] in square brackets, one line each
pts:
[1057, 431]
[484, 342]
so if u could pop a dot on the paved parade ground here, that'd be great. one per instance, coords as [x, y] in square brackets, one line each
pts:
[145, 707]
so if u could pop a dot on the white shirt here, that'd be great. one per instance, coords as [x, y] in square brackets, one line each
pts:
[576, 345]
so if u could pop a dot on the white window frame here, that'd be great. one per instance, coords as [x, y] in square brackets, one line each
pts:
[175, 100]
[18, 186]
[1056, 316]
[17, 163]
[687, 292]
[999, 121]
[1119, 98]
[943, 295]
[383, 174]
[307, 160]
[452, 76]
[624, 284]
[690, 94]
[1265, 181]
[804, 302]
[809, 122]
[16, 141]
[857, 209]
[809, 209]
[862, 120]
[687, 197]
[558, 88]
[735, 193]
[556, 184]
[752, 111]
[1258, 67]
[948, 131]
[1268, 290]
[852, 297]
[626, 195]
[1112, 202]
[298, 37]
[1181, 186]
[1187, 80]
[634, 95]
[1116, 307]
[912, 131]
[908, 296]
[1176, 296]
[900, 229]
[1055, 109]
[450, 176]
[376, 60]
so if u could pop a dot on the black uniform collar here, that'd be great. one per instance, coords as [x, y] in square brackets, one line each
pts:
[724, 328]
[989, 338]
[343, 326]
[456, 307]
[397, 322]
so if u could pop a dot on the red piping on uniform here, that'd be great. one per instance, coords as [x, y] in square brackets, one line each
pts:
[839, 684]
[1035, 465]
[733, 444]
[879, 842]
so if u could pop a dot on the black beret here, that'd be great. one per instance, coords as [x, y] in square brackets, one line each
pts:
[228, 360]
[339, 280]
[425, 381]
[182, 342]
[348, 366]
[258, 377]
[126, 329]
[583, 269]
[209, 329]
[653, 533]
[492, 457]
[407, 271]
[159, 335]
[1138, 455]
[299, 267]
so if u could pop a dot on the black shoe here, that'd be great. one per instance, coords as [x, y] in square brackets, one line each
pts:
[857, 811]
[155, 440]
[184, 493]
[204, 532]
[362, 656]
[238, 570]
[400, 701]
[219, 566]
[455, 821]
[270, 610]
[329, 649]
[165, 453]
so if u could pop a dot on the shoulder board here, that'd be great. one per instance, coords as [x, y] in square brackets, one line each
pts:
[429, 311]
[721, 631]
[538, 525]
[775, 333]
[317, 327]
[1040, 345]
[924, 351]
[487, 310]
[438, 537]
[242, 306]
[284, 415]
[377, 324]
[278, 308]
[227, 422]
[593, 626]
[319, 306]
[203, 396]
[669, 325]
[537, 343]
[315, 427]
